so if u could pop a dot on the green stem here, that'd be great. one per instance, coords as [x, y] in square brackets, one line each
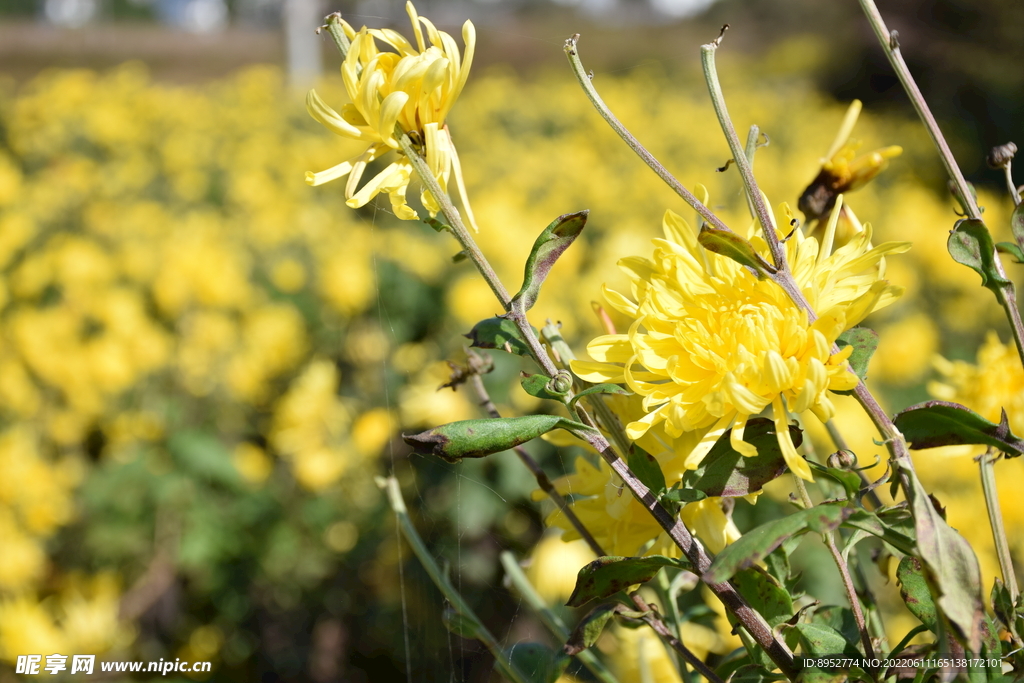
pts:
[754, 196]
[986, 463]
[394, 493]
[630, 140]
[550, 619]
[890, 45]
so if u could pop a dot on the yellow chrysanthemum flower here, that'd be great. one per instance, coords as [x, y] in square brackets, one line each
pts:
[842, 171]
[994, 384]
[712, 345]
[413, 87]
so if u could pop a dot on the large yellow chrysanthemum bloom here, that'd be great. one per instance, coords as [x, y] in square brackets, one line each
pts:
[414, 87]
[712, 345]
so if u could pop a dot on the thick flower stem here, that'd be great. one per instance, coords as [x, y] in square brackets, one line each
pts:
[891, 46]
[739, 155]
[986, 463]
[501, 660]
[662, 630]
[551, 620]
[542, 478]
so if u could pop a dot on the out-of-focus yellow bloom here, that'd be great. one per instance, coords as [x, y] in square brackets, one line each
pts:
[413, 87]
[711, 345]
[994, 384]
[252, 462]
[637, 655]
[905, 349]
[310, 428]
[26, 627]
[22, 561]
[842, 171]
[371, 431]
[554, 566]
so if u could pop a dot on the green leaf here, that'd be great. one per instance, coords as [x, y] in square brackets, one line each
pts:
[768, 598]
[729, 244]
[478, 438]
[915, 593]
[542, 386]
[608, 575]
[646, 468]
[1002, 605]
[498, 333]
[727, 474]
[551, 243]
[951, 568]
[752, 673]
[599, 389]
[864, 342]
[1017, 226]
[971, 244]
[204, 456]
[1011, 249]
[941, 423]
[755, 545]
[537, 662]
[840, 619]
[819, 639]
[885, 528]
[590, 627]
[850, 481]
[778, 564]
[680, 495]
[764, 594]
[460, 624]
[437, 225]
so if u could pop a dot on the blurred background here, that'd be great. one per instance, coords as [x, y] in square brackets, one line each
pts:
[204, 362]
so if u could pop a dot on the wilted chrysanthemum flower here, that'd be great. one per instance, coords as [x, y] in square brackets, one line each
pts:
[414, 87]
[711, 345]
[842, 170]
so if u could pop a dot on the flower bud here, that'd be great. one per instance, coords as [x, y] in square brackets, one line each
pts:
[842, 460]
[1001, 155]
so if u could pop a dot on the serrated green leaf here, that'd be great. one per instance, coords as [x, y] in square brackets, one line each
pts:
[551, 244]
[971, 244]
[864, 342]
[646, 468]
[755, 545]
[941, 423]
[915, 593]
[725, 473]
[498, 333]
[460, 624]
[877, 526]
[608, 575]
[478, 438]
[729, 244]
[599, 389]
[538, 662]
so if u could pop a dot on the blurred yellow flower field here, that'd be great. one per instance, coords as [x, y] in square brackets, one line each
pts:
[204, 361]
